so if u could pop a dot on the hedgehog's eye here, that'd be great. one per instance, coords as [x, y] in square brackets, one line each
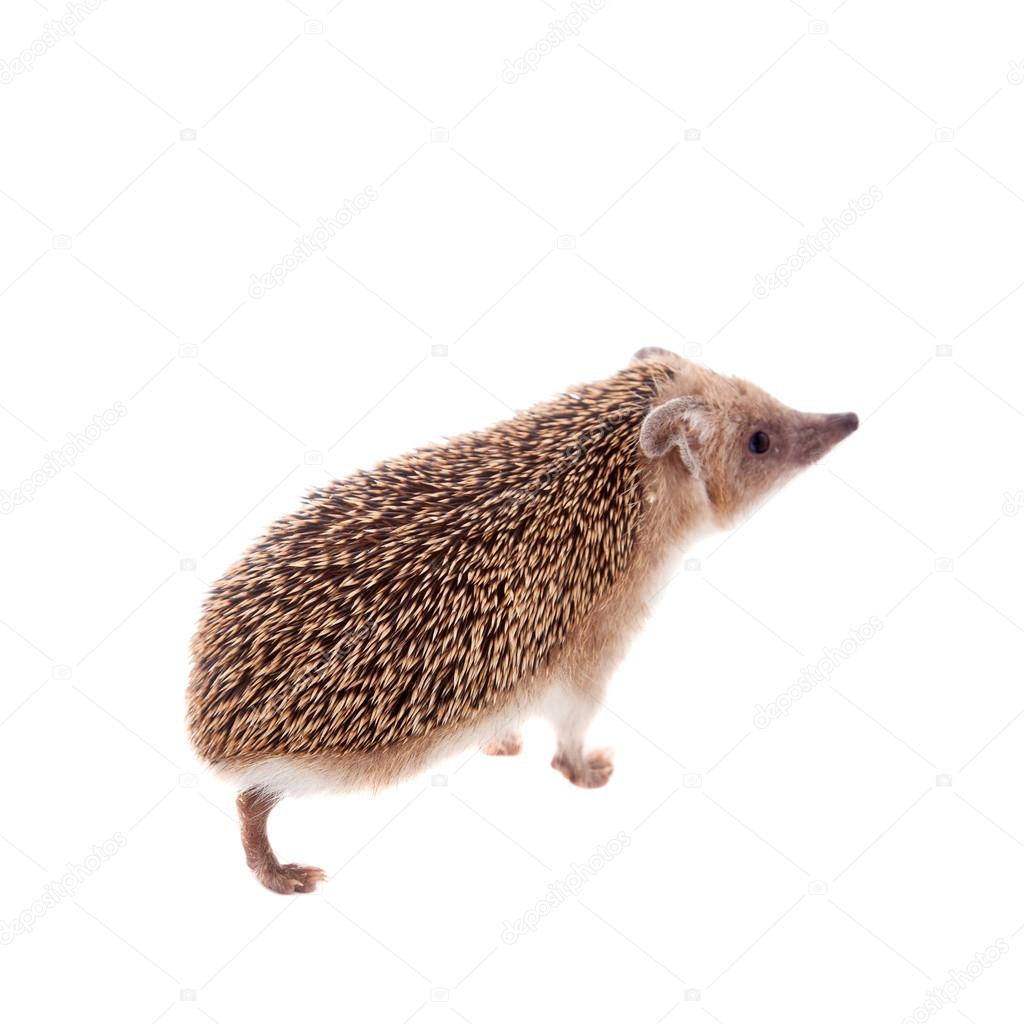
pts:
[759, 442]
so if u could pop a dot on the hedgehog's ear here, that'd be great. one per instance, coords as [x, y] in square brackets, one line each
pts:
[653, 354]
[678, 423]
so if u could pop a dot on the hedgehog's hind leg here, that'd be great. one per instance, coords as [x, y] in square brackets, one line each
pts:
[570, 708]
[254, 807]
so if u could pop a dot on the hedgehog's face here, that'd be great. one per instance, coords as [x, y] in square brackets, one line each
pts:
[736, 439]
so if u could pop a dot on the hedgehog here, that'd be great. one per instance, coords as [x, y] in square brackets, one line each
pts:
[434, 603]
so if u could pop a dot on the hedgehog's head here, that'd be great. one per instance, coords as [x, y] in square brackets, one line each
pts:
[734, 439]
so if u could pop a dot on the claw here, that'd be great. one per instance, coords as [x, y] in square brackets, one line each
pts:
[592, 773]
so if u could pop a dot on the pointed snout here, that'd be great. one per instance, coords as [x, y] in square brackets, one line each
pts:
[823, 431]
[842, 423]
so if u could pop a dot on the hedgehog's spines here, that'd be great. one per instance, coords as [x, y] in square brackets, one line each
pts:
[424, 593]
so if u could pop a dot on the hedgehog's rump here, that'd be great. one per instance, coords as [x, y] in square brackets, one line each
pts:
[420, 596]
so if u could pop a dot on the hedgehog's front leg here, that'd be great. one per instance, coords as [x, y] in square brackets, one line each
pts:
[570, 709]
[506, 743]
[254, 807]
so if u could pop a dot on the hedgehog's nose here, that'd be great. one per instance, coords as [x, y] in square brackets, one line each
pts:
[844, 423]
[820, 433]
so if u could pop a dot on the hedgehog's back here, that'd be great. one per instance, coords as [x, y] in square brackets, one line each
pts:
[420, 595]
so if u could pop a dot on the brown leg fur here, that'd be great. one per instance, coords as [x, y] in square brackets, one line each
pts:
[254, 807]
[507, 745]
[590, 769]
[570, 708]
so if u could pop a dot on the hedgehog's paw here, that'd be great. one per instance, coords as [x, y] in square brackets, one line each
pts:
[591, 772]
[291, 878]
[504, 746]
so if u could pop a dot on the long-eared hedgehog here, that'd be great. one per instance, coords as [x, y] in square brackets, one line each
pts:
[436, 601]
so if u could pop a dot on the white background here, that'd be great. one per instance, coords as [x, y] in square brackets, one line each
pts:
[627, 191]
